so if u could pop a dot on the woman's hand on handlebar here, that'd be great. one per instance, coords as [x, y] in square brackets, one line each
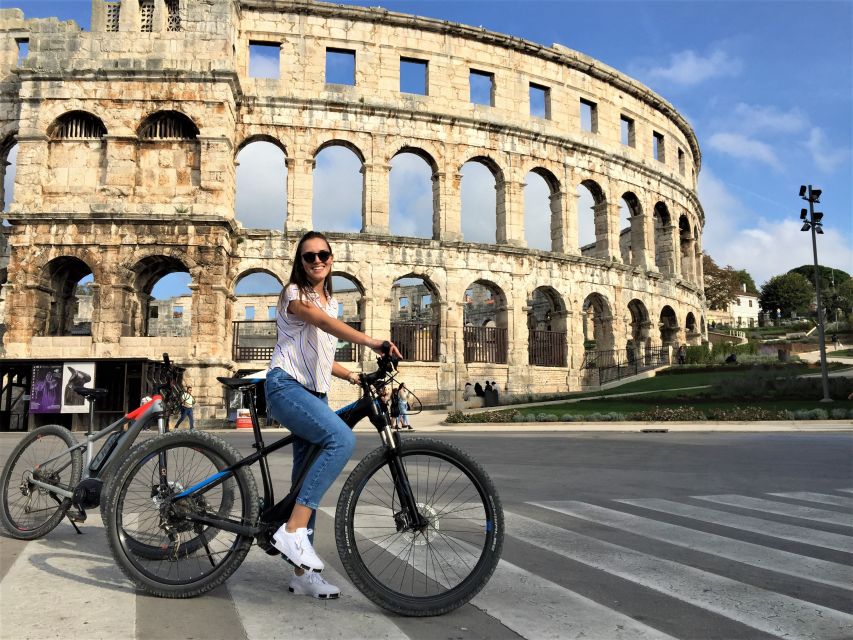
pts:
[386, 347]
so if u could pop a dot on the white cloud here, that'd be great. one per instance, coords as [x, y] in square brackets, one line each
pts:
[261, 199]
[750, 118]
[338, 185]
[537, 213]
[744, 148]
[479, 221]
[826, 159]
[744, 239]
[410, 197]
[688, 68]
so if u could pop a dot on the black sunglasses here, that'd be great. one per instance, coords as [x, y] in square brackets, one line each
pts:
[310, 256]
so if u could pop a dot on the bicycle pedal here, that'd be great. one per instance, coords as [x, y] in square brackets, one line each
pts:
[263, 541]
[77, 516]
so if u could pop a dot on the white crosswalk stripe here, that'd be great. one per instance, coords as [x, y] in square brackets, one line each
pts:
[830, 573]
[823, 498]
[782, 508]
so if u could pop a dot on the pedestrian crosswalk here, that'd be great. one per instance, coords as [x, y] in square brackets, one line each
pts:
[776, 564]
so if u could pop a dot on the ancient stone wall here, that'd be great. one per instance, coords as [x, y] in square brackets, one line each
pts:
[127, 136]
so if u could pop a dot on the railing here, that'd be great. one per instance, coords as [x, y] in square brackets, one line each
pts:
[547, 348]
[253, 340]
[417, 341]
[621, 363]
[485, 344]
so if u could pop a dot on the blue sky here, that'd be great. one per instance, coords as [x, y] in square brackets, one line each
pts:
[767, 86]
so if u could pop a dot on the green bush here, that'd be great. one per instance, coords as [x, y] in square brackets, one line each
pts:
[568, 417]
[699, 354]
[838, 414]
[669, 414]
[457, 417]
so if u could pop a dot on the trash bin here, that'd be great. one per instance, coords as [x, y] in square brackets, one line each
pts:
[244, 419]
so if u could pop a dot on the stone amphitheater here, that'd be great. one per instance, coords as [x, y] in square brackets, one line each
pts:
[126, 139]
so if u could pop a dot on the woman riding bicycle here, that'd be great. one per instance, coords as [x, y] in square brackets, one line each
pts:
[297, 388]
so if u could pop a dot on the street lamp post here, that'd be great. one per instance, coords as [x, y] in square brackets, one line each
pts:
[812, 222]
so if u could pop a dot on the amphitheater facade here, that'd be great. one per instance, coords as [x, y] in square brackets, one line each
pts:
[127, 136]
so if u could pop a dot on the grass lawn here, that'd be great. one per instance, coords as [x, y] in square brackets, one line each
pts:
[844, 353]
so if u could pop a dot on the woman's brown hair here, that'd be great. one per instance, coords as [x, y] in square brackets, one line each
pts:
[299, 276]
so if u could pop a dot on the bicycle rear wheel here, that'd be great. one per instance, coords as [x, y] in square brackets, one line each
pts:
[153, 542]
[420, 573]
[29, 511]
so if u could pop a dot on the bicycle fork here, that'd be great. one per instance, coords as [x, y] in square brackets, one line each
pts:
[409, 518]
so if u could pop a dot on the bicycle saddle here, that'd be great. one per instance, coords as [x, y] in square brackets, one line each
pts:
[92, 394]
[238, 383]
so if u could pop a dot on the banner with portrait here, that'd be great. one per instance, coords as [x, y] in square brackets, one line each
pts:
[76, 374]
[46, 390]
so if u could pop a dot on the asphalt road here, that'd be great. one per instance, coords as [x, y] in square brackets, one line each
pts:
[631, 535]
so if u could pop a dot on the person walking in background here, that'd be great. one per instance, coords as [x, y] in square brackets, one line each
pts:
[467, 392]
[187, 402]
[395, 408]
[478, 390]
[682, 354]
[403, 408]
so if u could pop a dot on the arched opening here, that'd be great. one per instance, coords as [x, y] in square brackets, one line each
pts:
[350, 296]
[690, 328]
[76, 157]
[412, 195]
[543, 223]
[415, 318]
[338, 188]
[668, 327]
[479, 201]
[597, 323]
[631, 236]
[166, 310]
[169, 158]
[8, 169]
[485, 318]
[261, 194]
[640, 341]
[546, 328]
[255, 304]
[592, 219]
[686, 251]
[663, 239]
[67, 283]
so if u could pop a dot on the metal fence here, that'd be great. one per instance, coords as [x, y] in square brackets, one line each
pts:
[347, 351]
[417, 341]
[616, 364]
[253, 340]
[485, 344]
[547, 348]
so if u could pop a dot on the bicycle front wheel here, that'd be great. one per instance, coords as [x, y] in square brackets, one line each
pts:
[29, 511]
[420, 572]
[150, 535]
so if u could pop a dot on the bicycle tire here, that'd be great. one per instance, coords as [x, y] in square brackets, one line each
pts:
[193, 559]
[413, 574]
[18, 495]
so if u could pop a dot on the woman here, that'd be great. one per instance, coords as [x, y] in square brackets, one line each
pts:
[297, 385]
[403, 406]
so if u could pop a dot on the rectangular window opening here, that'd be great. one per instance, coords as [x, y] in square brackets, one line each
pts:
[271, 313]
[589, 116]
[658, 149]
[681, 161]
[340, 66]
[264, 60]
[414, 76]
[540, 101]
[404, 303]
[482, 85]
[250, 312]
[177, 311]
[627, 125]
[23, 50]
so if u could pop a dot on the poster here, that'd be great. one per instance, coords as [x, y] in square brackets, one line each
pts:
[76, 374]
[46, 396]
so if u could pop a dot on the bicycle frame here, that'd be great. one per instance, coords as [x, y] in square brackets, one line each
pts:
[138, 419]
[274, 516]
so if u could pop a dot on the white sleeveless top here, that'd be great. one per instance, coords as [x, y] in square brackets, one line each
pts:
[303, 350]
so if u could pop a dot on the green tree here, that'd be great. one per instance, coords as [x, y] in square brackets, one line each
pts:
[722, 285]
[789, 292]
[745, 279]
[828, 276]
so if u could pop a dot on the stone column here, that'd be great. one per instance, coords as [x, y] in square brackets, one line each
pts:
[218, 172]
[160, 18]
[375, 198]
[641, 256]
[447, 196]
[559, 222]
[121, 164]
[128, 16]
[688, 250]
[300, 194]
[664, 252]
[607, 231]
[518, 338]
[31, 173]
[510, 213]
[674, 239]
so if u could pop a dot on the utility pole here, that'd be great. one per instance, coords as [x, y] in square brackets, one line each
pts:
[812, 221]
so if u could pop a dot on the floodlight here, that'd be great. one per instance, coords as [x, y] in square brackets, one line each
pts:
[806, 226]
[803, 213]
[814, 196]
[818, 229]
[817, 216]
[802, 191]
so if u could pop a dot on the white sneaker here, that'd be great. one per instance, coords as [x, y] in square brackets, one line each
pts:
[296, 548]
[314, 585]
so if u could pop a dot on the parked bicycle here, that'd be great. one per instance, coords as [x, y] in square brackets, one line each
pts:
[50, 475]
[418, 526]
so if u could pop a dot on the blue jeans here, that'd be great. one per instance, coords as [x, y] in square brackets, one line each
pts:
[186, 412]
[310, 419]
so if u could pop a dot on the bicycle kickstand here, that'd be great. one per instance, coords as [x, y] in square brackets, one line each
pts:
[70, 519]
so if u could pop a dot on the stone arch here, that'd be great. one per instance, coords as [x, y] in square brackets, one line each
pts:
[687, 248]
[597, 318]
[663, 238]
[169, 157]
[8, 158]
[668, 324]
[692, 332]
[260, 185]
[547, 343]
[640, 339]
[76, 152]
[351, 310]
[253, 314]
[60, 300]
[145, 272]
[586, 190]
[547, 218]
[328, 213]
[251, 138]
[632, 239]
[476, 228]
[486, 320]
[416, 317]
[415, 213]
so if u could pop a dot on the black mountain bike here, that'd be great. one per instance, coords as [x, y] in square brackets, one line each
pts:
[50, 475]
[419, 525]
